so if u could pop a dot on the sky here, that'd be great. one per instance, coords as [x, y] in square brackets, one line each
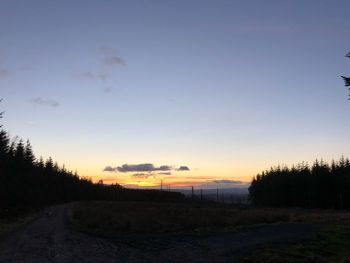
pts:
[188, 92]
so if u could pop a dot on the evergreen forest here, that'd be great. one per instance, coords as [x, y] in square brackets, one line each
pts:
[27, 182]
[320, 185]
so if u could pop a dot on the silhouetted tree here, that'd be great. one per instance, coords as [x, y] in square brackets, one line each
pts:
[29, 157]
[28, 183]
[4, 144]
[347, 79]
[319, 186]
[19, 153]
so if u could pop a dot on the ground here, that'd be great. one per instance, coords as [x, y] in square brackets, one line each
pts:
[50, 238]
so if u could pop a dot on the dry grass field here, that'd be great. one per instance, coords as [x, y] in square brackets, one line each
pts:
[330, 244]
[177, 217]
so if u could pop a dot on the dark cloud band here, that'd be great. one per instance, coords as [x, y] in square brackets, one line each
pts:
[183, 168]
[144, 167]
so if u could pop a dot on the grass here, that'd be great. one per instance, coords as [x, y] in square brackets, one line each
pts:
[332, 244]
[163, 217]
[15, 221]
[178, 217]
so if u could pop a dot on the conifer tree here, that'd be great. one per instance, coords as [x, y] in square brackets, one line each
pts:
[29, 183]
[49, 164]
[19, 152]
[28, 154]
[4, 143]
[347, 79]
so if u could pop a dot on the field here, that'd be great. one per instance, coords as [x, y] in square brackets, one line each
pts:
[148, 217]
[329, 239]
[331, 244]
[178, 217]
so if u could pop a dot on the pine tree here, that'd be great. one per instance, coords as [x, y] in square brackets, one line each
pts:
[347, 79]
[40, 163]
[28, 154]
[19, 152]
[49, 164]
[4, 143]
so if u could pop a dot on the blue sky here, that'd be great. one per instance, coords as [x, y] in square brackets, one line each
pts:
[227, 88]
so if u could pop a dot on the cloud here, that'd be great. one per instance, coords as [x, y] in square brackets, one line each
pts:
[103, 72]
[143, 175]
[102, 76]
[48, 102]
[165, 173]
[164, 168]
[226, 181]
[107, 89]
[106, 50]
[183, 168]
[93, 76]
[145, 167]
[4, 72]
[109, 169]
[88, 75]
[114, 60]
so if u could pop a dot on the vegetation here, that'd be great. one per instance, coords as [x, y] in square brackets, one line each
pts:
[112, 217]
[330, 245]
[10, 223]
[347, 79]
[27, 182]
[150, 217]
[322, 185]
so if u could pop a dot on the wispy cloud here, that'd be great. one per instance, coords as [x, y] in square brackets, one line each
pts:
[143, 175]
[4, 72]
[48, 102]
[107, 89]
[107, 62]
[89, 75]
[102, 76]
[110, 56]
[107, 50]
[114, 60]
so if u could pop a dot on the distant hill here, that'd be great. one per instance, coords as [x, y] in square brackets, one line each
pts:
[227, 195]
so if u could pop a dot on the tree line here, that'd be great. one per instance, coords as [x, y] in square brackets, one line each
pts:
[28, 182]
[321, 185]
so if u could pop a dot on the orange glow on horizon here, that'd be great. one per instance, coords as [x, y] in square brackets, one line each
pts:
[181, 182]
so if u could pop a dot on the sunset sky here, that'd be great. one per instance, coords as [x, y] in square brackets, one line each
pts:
[191, 92]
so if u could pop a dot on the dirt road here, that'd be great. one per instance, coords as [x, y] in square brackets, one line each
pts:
[50, 239]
